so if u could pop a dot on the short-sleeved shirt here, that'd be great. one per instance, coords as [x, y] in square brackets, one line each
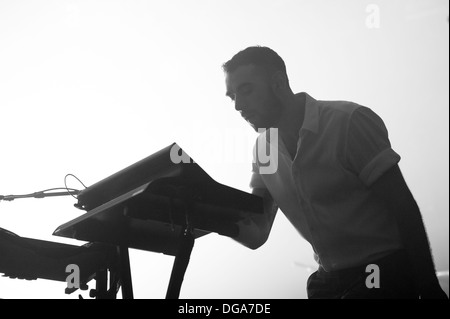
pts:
[343, 148]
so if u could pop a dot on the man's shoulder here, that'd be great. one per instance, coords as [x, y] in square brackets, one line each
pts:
[330, 115]
[337, 107]
[333, 108]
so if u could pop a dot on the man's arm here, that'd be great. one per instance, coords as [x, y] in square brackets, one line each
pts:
[393, 190]
[260, 225]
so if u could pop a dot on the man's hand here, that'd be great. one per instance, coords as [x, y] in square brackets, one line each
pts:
[257, 228]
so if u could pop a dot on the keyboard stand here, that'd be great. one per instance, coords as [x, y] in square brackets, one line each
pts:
[125, 273]
[129, 224]
[180, 264]
[159, 206]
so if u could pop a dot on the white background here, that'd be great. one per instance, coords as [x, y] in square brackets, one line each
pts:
[90, 87]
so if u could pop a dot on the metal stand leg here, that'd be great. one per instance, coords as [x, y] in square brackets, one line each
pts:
[101, 278]
[180, 264]
[125, 273]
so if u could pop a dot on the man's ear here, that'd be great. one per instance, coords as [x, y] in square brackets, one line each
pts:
[279, 82]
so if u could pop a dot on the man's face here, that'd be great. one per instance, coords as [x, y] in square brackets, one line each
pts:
[250, 89]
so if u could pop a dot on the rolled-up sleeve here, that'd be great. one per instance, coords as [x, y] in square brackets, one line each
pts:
[369, 152]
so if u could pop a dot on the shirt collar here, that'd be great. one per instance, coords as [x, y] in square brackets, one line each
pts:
[311, 120]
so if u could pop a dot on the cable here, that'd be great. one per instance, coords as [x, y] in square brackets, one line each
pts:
[65, 184]
[45, 193]
[41, 194]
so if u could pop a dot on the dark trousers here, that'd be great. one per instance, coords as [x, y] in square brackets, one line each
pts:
[387, 278]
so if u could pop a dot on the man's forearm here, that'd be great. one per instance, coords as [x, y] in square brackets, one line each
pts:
[256, 230]
[415, 239]
[393, 190]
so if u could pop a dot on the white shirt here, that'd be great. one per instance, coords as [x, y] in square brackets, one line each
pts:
[325, 190]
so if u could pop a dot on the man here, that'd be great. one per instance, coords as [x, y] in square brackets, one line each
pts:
[337, 181]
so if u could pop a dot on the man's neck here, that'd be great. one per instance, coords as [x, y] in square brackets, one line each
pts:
[293, 114]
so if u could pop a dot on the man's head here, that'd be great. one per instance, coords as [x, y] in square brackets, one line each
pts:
[257, 82]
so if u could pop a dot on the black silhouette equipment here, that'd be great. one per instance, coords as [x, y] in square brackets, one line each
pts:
[162, 204]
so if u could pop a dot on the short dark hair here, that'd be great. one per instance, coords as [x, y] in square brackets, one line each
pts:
[259, 56]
